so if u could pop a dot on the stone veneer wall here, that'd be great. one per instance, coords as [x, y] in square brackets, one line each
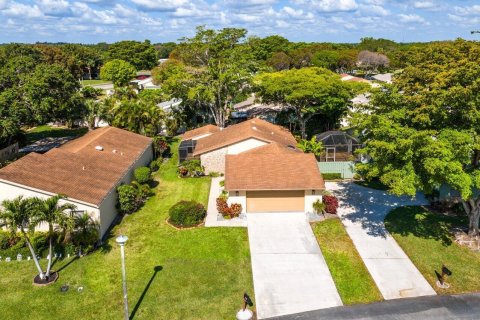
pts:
[214, 161]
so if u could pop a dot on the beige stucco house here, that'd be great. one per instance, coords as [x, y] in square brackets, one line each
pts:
[264, 171]
[87, 170]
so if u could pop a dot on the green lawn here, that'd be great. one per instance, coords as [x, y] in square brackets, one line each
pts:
[47, 131]
[204, 271]
[93, 82]
[353, 281]
[425, 238]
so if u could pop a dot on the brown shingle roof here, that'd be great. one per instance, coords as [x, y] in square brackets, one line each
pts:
[280, 171]
[209, 128]
[273, 148]
[254, 128]
[76, 169]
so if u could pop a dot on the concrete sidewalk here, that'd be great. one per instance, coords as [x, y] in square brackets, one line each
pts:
[290, 274]
[457, 307]
[363, 211]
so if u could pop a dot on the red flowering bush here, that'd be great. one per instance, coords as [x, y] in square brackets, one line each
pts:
[331, 204]
[228, 211]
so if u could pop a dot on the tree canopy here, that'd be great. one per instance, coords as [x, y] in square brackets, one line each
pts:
[120, 72]
[142, 55]
[424, 131]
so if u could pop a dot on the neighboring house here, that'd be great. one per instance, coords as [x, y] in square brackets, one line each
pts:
[383, 77]
[145, 83]
[250, 108]
[189, 140]
[338, 146]
[273, 178]
[167, 106]
[213, 147]
[87, 170]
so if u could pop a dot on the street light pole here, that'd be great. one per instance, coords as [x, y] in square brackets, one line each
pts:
[121, 240]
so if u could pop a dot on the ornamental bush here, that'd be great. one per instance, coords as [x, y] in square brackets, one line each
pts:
[155, 164]
[142, 174]
[127, 198]
[331, 204]
[187, 213]
[229, 212]
[191, 168]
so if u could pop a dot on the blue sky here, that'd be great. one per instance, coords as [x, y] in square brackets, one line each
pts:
[91, 21]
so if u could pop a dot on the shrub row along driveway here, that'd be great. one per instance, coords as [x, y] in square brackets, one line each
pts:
[290, 274]
[363, 211]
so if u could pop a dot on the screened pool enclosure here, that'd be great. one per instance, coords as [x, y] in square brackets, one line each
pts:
[338, 146]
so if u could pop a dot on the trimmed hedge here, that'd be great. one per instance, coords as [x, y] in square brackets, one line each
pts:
[331, 176]
[187, 213]
[142, 174]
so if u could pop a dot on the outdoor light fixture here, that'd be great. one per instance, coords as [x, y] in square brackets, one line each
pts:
[121, 240]
[237, 193]
[313, 192]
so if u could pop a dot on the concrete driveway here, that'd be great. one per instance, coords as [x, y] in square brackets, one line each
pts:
[363, 211]
[289, 272]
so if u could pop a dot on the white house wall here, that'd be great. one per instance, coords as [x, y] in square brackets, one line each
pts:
[245, 146]
[9, 191]
[310, 198]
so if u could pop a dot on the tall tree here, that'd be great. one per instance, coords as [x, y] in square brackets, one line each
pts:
[307, 91]
[215, 68]
[51, 212]
[120, 72]
[142, 55]
[18, 214]
[424, 131]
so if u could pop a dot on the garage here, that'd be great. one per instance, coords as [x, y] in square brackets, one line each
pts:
[276, 201]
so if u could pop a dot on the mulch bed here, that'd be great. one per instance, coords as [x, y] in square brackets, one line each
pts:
[45, 282]
[184, 228]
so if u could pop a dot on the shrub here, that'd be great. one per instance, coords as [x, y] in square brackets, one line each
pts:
[142, 174]
[214, 174]
[331, 176]
[155, 164]
[222, 183]
[319, 207]
[228, 211]
[128, 201]
[191, 168]
[331, 204]
[187, 213]
[160, 146]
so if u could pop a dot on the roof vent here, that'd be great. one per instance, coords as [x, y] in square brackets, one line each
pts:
[83, 168]
[114, 150]
[99, 148]
[254, 128]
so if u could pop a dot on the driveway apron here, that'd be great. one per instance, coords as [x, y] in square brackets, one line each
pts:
[289, 272]
[363, 211]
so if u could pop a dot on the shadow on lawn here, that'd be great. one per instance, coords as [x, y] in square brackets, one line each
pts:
[420, 222]
[139, 302]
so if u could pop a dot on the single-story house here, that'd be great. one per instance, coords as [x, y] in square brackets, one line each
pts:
[213, 144]
[86, 170]
[273, 178]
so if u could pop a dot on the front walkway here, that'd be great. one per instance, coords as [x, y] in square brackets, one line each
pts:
[213, 218]
[363, 211]
[289, 272]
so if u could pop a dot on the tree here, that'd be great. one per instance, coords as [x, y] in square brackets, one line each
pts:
[279, 61]
[307, 91]
[164, 49]
[120, 72]
[49, 94]
[137, 116]
[18, 214]
[214, 69]
[51, 212]
[142, 55]
[311, 146]
[424, 131]
[263, 48]
[328, 59]
[86, 228]
[371, 61]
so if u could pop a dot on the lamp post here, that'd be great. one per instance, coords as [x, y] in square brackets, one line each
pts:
[121, 240]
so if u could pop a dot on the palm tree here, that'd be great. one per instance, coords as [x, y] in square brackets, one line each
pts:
[86, 227]
[18, 214]
[50, 211]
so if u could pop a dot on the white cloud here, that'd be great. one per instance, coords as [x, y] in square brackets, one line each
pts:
[15, 9]
[329, 5]
[296, 13]
[411, 18]
[468, 11]
[3, 4]
[373, 10]
[160, 5]
[424, 5]
[55, 7]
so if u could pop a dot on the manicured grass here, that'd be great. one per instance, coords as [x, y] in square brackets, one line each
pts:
[94, 82]
[204, 271]
[425, 238]
[373, 184]
[47, 131]
[353, 281]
